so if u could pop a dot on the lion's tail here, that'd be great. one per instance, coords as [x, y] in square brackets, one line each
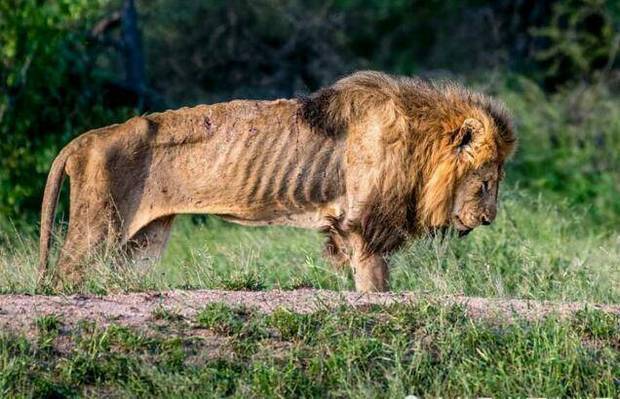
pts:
[48, 209]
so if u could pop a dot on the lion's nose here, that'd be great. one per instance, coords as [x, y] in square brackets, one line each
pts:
[485, 220]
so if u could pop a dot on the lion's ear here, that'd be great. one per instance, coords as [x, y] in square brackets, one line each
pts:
[468, 132]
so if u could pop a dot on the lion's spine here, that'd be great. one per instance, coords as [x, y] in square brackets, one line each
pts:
[51, 195]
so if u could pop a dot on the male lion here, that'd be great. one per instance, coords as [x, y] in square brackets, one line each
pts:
[371, 160]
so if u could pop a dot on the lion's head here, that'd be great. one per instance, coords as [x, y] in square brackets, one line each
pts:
[463, 176]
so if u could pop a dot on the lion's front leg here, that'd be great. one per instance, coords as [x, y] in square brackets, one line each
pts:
[370, 270]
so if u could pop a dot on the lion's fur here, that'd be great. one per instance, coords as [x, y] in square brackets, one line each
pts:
[371, 160]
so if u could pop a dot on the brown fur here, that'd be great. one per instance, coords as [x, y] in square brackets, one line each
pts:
[371, 160]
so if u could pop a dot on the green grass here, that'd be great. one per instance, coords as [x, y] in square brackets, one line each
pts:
[534, 250]
[424, 350]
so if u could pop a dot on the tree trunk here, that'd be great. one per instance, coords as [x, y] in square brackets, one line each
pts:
[135, 77]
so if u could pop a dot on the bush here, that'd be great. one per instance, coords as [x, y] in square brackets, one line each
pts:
[579, 42]
[569, 145]
[50, 90]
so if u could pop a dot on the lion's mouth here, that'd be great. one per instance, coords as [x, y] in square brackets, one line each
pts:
[463, 233]
[461, 227]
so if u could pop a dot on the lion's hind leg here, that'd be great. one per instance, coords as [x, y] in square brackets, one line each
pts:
[91, 235]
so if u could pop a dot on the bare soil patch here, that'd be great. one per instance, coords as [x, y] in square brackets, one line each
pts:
[18, 313]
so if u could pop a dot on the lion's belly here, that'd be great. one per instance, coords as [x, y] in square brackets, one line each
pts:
[310, 219]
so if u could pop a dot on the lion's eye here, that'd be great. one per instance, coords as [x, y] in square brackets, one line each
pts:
[484, 188]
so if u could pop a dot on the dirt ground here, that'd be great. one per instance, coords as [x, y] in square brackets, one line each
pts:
[19, 312]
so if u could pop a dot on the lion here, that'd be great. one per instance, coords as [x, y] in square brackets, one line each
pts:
[372, 161]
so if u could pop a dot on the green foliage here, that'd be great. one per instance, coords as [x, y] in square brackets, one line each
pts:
[569, 146]
[581, 40]
[50, 90]
[267, 48]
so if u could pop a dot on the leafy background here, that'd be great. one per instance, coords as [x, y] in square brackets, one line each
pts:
[67, 66]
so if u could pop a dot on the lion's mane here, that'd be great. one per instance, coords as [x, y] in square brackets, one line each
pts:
[419, 169]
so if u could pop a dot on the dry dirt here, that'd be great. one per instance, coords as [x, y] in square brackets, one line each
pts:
[19, 312]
